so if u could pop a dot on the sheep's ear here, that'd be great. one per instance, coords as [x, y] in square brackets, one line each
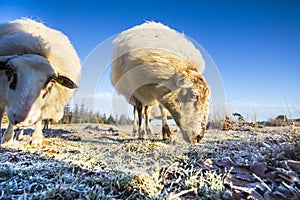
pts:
[183, 83]
[66, 82]
[4, 60]
[3, 63]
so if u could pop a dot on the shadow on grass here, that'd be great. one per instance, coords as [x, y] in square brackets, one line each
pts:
[105, 137]
[25, 175]
[51, 133]
[127, 140]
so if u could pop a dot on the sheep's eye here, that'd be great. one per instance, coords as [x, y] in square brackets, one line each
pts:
[194, 95]
[12, 77]
[10, 73]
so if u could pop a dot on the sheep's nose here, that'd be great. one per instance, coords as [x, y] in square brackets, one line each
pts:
[17, 119]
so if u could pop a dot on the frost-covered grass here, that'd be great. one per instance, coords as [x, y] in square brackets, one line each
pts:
[81, 162]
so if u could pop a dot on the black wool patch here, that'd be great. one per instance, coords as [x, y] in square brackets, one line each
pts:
[13, 83]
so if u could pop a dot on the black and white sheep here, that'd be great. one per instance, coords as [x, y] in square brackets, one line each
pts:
[39, 70]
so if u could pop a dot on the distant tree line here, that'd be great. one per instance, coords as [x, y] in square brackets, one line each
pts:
[81, 114]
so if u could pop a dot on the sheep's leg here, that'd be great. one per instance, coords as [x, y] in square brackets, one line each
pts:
[8, 136]
[1, 116]
[37, 135]
[20, 134]
[135, 121]
[165, 127]
[46, 124]
[147, 121]
[141, 126]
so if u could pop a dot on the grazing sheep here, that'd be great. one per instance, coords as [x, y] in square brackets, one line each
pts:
[154, 63]
[39, 68]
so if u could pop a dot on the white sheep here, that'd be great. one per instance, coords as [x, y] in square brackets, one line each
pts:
[154, 63]
[39, 69]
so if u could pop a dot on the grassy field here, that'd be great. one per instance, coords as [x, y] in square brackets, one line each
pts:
[91, 162]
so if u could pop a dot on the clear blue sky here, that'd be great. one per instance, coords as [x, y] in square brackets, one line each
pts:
[254, 43]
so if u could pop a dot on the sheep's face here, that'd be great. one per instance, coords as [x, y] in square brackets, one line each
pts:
[194, 103]
[189, 105]
[28, 83]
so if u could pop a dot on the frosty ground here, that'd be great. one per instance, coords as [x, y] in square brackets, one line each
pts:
[90, 161]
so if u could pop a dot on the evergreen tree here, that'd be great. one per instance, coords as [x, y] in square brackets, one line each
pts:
[71, 118]
[99, 119]
[110, 120]
[67, 113]
[76, 114]
[104, 118]
[82, 114]
[122, 120]
[116, 119]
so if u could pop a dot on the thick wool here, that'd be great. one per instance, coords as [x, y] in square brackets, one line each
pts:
[28, 37]
[153, 63]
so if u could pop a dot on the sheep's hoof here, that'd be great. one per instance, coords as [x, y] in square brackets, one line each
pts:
[36, 141]
[167, 134]
[142, 135]
[149, 131]
[142, 138]
[6, 143]
[197, 139]
[134, 132]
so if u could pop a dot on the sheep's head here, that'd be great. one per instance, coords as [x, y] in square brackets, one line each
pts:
[188, 103]
[29, 80]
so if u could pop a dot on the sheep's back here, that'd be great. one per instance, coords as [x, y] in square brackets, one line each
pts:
[151, 53]
[160, 38]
